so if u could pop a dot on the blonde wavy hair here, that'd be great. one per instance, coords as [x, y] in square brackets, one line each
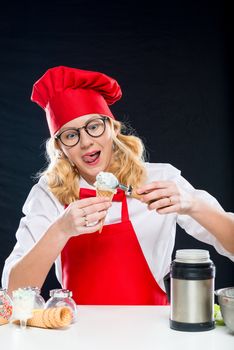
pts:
[127, 164]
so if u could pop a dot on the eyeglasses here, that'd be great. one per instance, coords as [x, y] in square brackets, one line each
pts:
[94, 128]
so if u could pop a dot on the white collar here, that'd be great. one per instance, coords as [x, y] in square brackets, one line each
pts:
[85, 184]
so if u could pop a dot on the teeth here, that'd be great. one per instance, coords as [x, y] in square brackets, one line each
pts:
[92, 154]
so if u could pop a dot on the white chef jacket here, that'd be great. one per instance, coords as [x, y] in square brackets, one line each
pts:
[155, 232]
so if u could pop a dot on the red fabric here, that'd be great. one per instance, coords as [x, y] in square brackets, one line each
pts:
[67, 93]
[110, 268]
[86, 193]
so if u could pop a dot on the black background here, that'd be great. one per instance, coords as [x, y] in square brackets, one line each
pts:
[174, 62]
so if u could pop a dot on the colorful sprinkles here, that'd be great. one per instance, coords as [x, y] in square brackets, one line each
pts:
[5, 306]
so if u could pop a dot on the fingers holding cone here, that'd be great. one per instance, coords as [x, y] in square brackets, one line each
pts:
[135, 195]
[110, 194]
[106, 194]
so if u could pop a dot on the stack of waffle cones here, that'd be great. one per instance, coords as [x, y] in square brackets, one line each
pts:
[57, 317]
[108, 194]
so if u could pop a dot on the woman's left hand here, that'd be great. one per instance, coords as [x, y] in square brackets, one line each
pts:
[166, 197]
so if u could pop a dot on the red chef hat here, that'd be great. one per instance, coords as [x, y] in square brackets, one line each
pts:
[67, 93]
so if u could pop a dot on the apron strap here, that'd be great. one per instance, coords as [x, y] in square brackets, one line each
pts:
[124, 211]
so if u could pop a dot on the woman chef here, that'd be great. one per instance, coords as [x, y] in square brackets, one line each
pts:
[126, 262]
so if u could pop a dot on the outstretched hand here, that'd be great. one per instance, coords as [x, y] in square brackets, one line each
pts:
[166, 197]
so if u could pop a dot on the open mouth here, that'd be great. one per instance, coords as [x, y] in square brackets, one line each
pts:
[91, 157]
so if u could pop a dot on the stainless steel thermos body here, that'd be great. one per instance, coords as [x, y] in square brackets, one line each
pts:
[192, 291]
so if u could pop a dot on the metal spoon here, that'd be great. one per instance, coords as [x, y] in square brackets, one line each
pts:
[127, 189]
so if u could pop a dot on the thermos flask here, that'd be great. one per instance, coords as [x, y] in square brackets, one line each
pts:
[192, 276]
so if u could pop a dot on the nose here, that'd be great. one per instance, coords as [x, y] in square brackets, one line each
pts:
[85, 139]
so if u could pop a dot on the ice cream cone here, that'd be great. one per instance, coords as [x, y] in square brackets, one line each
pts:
[41, 317]
[3, 321]
[105, 193]
[106, 185]
[63, 316]
[108, 194]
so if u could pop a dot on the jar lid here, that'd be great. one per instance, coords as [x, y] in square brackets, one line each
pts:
[60, 293]
[192, 256]
[37, 290]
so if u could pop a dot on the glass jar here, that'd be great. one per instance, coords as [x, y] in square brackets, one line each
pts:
[62, 297]
[39, 302]
[6, 305]
[23, 304]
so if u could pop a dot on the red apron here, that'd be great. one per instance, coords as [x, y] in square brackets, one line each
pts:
[109, 268]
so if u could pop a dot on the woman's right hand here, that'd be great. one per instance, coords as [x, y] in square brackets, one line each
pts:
[83, 216]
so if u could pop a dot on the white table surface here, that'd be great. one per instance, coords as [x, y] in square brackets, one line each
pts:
[116, 327]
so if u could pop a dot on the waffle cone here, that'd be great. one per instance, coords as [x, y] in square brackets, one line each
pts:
[3, 321]
[57, 317]
[107, 194]
[43, 317]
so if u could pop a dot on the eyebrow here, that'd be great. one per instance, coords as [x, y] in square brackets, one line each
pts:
[75, 128]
